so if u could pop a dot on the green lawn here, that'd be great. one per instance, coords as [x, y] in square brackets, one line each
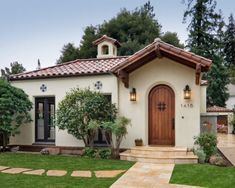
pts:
[204, 175]
[68, 163]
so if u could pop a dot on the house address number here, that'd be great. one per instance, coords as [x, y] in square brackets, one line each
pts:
[187, 105]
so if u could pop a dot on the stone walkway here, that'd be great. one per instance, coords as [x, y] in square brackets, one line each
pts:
[226, 144]
[59, 173]
[147, 175]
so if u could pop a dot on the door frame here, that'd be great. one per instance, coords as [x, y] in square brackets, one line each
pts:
[46, 118]
[148, 114]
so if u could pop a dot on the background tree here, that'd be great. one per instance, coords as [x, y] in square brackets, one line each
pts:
[204, 39]
[15, 68]
[14, 108]
[229, 41]
[81, 113]
[69, 53]
[172, 38]
[134, 29]
[87, 49]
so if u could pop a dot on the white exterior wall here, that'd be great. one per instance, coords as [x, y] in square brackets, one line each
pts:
[203, 98]
[231, 101]
[57, 88]
[112, 50]
[158, 71]
[175, 75]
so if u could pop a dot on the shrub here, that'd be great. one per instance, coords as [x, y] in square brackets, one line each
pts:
[201, 155]
[207, 141]
[14, 111]
[97, 153]
[104, 153]
[89, 152]
[81, 113]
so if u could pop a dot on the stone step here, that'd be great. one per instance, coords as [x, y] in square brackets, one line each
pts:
[159, 151]
[148, 158]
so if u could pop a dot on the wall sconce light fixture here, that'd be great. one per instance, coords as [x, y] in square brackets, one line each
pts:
[133, 94]
[187, 92]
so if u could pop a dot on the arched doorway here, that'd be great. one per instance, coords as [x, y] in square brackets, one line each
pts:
[161, 116]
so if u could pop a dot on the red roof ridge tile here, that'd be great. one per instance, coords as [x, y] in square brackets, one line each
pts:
[66, 63]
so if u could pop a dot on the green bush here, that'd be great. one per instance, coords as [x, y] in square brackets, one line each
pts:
[104, 153]
[207, 141]
[201, 155]
[97, 153]
[89, 152]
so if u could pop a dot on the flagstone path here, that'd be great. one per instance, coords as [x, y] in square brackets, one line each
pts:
[226, 145]
[147, 175]
[59, 173]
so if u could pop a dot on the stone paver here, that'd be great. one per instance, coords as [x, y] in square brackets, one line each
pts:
[56, 173]
[108, 173]
[82, 173]
[226, 144]
[3, 168]
[38, 172]
[15, 170]
[147, 175]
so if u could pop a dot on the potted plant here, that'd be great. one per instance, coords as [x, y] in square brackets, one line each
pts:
[138, 142]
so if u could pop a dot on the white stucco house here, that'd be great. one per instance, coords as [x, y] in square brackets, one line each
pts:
[168, 94]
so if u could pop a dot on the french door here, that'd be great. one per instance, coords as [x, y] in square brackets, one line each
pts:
[44, 119]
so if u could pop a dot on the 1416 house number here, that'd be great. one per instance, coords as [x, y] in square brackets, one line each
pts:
[187, 105]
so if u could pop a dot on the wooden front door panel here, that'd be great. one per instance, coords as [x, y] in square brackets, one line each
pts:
[161, 116]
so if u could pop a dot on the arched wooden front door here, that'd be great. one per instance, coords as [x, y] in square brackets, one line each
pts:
[161, 116]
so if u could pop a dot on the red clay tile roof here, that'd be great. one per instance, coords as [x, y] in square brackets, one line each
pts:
[73, 68]
[218, 109]
[115, 64]
[160, 48]
[106, 38]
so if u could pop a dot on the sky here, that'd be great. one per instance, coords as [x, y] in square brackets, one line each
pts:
[38, 29]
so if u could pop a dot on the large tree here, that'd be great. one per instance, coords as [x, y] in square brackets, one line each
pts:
[14, 108]
[69, 53]
[134, 29]
[229, 41]
[172, 38]
[15, 68]
[205, 40]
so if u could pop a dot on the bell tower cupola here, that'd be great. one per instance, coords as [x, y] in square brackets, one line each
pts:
[106, 47]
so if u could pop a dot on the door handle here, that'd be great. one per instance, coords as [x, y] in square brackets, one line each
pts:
[173, 123]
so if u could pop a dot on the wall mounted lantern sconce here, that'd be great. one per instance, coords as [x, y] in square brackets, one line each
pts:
[187, 92]
[133, 94]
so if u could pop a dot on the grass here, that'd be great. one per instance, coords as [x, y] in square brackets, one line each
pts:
[204, 175]
[68, 163]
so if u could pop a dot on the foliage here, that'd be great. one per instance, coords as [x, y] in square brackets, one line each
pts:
[134, 29]
[15, 68]
[14, 108]
[229, 41]
[89, 152]
[82, 111]
[69, 53]
[207, 142]
[205, 31]
[117, 129]
[203, 175]
[172, 38]
[97, 153]
[104, 153]
[201, 155]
